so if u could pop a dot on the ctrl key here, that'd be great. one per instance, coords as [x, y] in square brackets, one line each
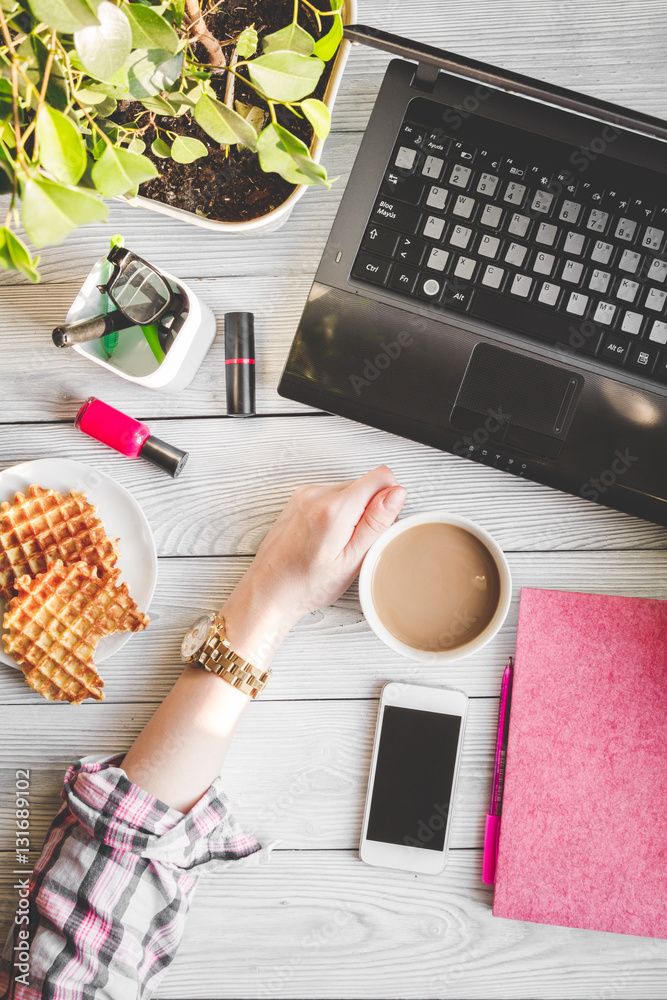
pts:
[370, 268]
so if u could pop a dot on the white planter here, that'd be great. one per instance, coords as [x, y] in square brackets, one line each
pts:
[278, 216]
[134, 360]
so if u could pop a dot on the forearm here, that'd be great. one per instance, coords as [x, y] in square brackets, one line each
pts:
[182, 748]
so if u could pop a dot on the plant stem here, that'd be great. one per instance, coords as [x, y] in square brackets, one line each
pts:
[195, 21]
[231, 79]
[90, 120]
[42, 93]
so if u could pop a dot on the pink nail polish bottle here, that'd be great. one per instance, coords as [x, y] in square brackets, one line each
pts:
[128, 436]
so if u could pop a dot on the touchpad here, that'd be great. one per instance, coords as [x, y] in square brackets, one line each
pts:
[524, 403]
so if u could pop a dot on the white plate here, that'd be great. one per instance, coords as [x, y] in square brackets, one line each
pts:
[121, 516]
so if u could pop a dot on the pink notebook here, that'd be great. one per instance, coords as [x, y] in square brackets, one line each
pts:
[583, 838]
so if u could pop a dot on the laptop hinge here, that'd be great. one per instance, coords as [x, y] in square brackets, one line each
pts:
[426, 76]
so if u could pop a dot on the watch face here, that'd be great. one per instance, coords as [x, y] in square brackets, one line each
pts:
[195, 637]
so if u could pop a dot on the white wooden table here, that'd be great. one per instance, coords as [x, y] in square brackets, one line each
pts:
[316, 922]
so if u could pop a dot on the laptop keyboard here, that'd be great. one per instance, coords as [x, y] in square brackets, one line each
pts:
[558, 255]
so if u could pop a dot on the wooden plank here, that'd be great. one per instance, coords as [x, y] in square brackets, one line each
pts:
[242, 472]
[41, 382]
[307, 792]
[351, 661]
[323, 924]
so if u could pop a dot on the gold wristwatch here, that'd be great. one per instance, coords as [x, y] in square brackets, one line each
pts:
[206, 644]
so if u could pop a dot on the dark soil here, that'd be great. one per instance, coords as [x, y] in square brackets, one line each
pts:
[228, 184]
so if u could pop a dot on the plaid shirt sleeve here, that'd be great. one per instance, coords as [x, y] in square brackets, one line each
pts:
[110, 893]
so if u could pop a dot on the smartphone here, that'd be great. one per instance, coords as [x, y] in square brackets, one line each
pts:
[413, 775]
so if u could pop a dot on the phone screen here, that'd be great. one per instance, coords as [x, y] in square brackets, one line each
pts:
[416, 761]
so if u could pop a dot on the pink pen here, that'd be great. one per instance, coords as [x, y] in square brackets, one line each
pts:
[492, 830]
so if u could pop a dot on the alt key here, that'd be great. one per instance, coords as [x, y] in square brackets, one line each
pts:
[614, 348]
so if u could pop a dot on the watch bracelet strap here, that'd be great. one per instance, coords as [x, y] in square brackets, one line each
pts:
[218, 657]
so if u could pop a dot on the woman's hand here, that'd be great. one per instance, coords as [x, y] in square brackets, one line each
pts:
[309, 558]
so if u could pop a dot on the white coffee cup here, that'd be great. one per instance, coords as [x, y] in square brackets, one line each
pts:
[445, 655]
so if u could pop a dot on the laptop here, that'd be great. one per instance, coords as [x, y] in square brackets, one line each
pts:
[495, 281]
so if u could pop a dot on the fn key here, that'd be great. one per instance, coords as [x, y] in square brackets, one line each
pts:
[370, 268]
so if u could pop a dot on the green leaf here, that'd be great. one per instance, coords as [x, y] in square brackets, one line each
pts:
[327, 46]
[150, 30]
[318, 115]
[150, 72]
[15, 256]
[161, 148]
[159, 106]
[223, 124]
[50, 211]
[103, 48]
[90, 96]
[253, 115]
[292, 38]
[178, 9]
[106, 108]
[36, 54]
[61, 149]
[67, 16]
[285, 76]
[247, 43]
[6, 106]
[185, 149]
[137, 145]
[282, 153]
[118, 171]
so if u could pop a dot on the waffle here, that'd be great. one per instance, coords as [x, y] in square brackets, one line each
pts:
[44, 526]
[55, 622]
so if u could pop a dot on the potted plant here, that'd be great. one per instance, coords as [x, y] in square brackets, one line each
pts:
[150, 102]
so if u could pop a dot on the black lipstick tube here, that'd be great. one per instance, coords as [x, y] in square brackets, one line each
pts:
[240, 363]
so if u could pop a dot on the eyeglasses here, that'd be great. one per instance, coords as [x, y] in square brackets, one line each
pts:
[138, 290]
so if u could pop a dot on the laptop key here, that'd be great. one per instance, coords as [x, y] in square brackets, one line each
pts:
[604, 313]
[658, 270]
[488, 246]
[514, 193]
[408, 189]
[433, 227]
[542, 202]
[627, 290]
[463, 206]
[411, 135]
[653, 238]
[549, 294]
[380, 240]
[429, 288]
[403, 279]
[437, 198]
[597, 220]
[465, 268]
[457, 296]
[410, 250]
[615, 348]
[518, 225]
[643, 357]
[405, 158]
[655, 299]
[493, 276]
[625, 230]
[371, 268]
[572, 271]
[546, 234]
[629, 261]
[544, 263]
[599, 281]
[577, 303]
[574, 243]
[460, 176]
[569, 212]
[487, 185]
[396, 215]
[521, 285]
[632, 322]
[602, 252]
[433, 167]
[491, 216]
[460, 236]
[658, 332]
[516, 253]
[437, 259]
